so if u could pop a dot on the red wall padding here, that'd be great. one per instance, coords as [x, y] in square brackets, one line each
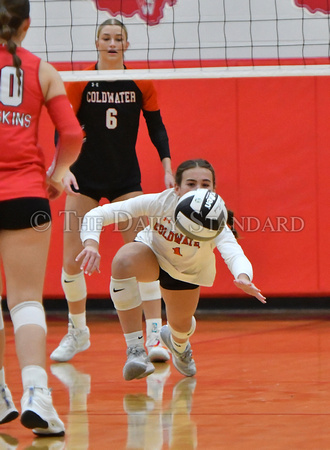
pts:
[269, 142]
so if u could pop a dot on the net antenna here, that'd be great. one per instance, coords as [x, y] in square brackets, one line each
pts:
[178, 39]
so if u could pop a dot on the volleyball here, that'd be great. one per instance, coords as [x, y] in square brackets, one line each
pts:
[201, 214]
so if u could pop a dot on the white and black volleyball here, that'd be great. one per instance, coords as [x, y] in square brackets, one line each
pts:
[201, 214]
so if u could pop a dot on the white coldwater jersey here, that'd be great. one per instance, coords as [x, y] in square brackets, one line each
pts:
[182, 258]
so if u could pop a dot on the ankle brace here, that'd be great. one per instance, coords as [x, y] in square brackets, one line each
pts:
[184, 336]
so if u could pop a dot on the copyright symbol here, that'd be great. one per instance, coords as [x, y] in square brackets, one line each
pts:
[40, 221]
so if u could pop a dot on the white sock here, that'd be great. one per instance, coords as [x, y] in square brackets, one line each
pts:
[78, 320]
[2, 376]
[134, 339]
[34, 376]
[153, 327]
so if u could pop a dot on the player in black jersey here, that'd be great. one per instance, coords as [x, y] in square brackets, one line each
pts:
[109, 113]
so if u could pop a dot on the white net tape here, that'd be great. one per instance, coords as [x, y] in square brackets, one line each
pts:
[195, 73]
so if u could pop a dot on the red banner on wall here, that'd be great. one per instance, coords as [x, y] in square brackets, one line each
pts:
[314, 5]
[151, 11]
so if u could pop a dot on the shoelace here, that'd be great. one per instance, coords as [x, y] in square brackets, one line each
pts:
[4, 397]
[70, 337]
[186, 355]
[135, 350]
[33, 388]
[31, 394]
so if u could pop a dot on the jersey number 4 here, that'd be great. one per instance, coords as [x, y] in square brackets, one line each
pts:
[10, 95]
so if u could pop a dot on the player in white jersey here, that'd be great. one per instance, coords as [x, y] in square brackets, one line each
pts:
[161, 252]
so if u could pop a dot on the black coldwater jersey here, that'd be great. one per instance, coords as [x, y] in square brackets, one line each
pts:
[109, 113]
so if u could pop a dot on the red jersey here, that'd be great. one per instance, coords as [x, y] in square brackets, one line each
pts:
[22, 165]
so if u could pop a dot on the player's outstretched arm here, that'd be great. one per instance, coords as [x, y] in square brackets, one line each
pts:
[243, 282]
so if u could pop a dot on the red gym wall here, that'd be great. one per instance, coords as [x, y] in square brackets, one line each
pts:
[269, 142]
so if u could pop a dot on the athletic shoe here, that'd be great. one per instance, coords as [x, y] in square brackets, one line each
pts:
[74, 341]
[138, 364]
[38, 412]
[183, 362]
[156, 352]
[8, 412]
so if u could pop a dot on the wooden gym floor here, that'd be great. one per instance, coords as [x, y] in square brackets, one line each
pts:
[263, 382]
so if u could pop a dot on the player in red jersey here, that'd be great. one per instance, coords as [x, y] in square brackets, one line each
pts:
[26, 84]
[109, 113]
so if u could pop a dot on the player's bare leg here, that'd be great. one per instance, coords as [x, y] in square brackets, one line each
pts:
[73, 280]
[133, 263]
[150, 292]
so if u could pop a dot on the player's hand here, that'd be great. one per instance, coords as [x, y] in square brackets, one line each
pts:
[169, 180]
[54, 188]
[70, 182]
[90, 257]
[249, 288]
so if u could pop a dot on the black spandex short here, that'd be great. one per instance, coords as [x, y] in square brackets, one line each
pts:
[25, 212]
[167, 282]
[110, 195]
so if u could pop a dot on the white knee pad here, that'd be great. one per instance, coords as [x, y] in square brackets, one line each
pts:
[125, 293]
[178, 334]
[28, 313]
[74, 286]
[2, 325]
[149, 291]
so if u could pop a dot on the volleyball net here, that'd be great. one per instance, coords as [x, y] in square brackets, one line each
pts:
[172, 39]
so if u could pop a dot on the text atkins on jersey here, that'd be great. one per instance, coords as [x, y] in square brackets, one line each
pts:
[15, 118]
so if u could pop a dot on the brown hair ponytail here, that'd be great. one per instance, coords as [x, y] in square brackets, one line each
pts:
[12, 15]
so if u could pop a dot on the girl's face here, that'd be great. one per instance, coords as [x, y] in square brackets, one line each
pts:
[196, 178]
[112, 43]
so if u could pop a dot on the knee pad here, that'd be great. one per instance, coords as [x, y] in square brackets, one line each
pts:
[28, 313]
[185, 336]
[149, 291]
[74, 286]
[2, 325]
[125, 293]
